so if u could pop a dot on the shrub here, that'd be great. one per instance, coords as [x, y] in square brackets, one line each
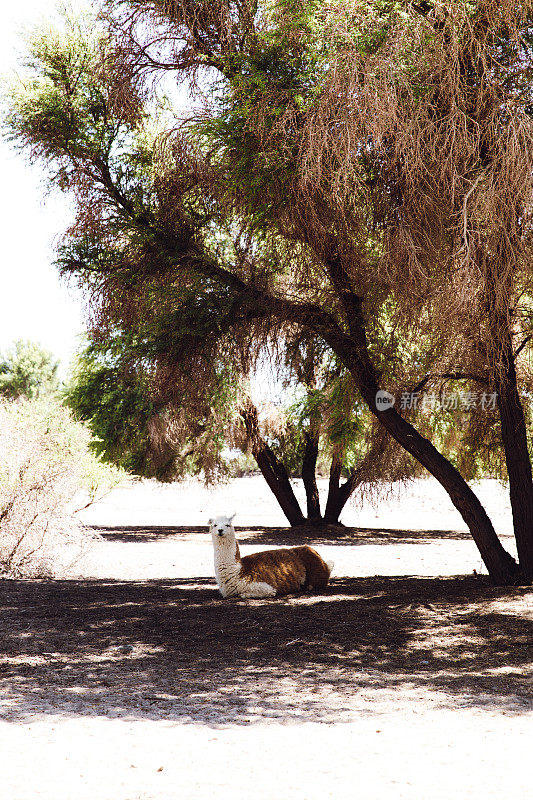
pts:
[27, 370]
[44, 461]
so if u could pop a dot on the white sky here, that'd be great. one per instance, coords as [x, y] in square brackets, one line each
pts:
[34, 304]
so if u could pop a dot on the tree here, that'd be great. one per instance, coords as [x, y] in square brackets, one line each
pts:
[452, 146]
[289, 160]
[137, 427]
[27, 370]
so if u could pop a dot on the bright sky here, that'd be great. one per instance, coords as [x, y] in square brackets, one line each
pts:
[34, 304]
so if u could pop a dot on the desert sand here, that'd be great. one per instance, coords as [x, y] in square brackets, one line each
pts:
[132, 679]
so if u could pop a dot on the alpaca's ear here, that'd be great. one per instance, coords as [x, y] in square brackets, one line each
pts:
[233, 516]
[210, 521]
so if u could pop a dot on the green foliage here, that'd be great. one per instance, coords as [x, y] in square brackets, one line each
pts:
[115, 391]
[112, 398]
[330, 411]
[27, 370]
[45, 462]
[60, 111]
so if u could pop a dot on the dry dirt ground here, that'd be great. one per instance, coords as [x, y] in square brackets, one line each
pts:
[132, 679]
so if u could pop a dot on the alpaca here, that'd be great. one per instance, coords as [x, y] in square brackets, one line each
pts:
[267, 573]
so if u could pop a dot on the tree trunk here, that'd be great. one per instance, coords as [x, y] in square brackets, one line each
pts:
[272, 470]
[338, 495]
[500, 565]
[514, 437]
[310, 457]
[353, 351]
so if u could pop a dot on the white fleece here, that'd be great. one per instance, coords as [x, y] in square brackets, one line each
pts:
[228, 568]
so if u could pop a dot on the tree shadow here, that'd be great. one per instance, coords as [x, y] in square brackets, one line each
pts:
[342, 535]
[146, 533]
[177, 650]
[284, 537]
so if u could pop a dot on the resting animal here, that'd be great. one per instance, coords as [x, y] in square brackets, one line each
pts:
[267, 573]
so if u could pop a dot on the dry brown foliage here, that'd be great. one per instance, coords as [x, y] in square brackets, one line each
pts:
[443, 106]
[411, 170]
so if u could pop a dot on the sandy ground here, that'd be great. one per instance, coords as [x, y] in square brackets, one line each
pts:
[410, 677]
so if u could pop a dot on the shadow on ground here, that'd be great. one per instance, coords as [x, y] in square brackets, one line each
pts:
[283, 537]
[177, 650]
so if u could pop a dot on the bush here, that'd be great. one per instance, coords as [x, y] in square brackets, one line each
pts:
[44, 461]
[240, 465]
[27, 370]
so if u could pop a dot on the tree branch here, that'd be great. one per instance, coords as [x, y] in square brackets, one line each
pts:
[521, 347]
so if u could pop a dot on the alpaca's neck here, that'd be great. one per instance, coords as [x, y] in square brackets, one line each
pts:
[227, 565]
[227, 554]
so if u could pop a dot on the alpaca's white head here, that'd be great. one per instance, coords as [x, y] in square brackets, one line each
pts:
[222, 530]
